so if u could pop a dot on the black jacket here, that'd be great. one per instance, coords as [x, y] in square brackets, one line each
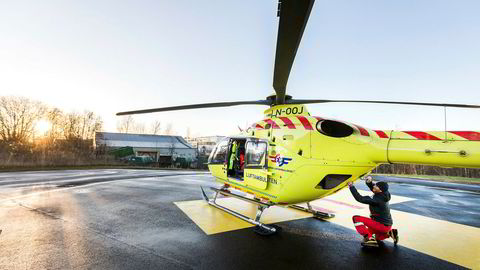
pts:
[378, 204]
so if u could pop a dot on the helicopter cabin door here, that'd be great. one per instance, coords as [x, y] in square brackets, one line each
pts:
[255, 172]
[217, 162]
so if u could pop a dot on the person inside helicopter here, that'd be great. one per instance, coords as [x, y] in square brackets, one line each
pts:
[241, 160]
[232, 160]
[236, 159]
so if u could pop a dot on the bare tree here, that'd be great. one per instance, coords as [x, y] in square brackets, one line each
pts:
[81, 126]
[129, 125]
[17, 118]
[125, 124]
[138, 128]
[57, 119]
[90, 123]
[155, 128]
[71, 126]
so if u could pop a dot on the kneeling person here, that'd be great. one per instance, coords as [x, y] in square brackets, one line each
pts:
[379, 226]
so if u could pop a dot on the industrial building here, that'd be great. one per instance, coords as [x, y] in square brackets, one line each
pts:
[204, 144]
[164, 149]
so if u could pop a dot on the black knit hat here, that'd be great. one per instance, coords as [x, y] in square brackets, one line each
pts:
[383, 186]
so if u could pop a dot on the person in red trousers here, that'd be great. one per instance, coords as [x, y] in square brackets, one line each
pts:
[379, 226]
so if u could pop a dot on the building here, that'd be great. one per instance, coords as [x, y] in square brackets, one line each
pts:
[163, 149]
[205, 144]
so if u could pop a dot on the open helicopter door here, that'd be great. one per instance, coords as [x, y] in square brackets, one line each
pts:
[217, 162]
[256, 167]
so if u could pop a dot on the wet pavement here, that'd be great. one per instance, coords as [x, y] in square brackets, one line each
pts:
[128, 219]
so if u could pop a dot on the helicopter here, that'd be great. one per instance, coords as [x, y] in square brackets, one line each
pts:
[291, 157]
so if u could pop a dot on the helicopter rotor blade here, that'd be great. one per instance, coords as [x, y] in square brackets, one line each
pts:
[311, 101]
[293, 19]
[198, 106]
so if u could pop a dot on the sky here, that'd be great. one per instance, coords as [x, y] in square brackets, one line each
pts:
[111, 56]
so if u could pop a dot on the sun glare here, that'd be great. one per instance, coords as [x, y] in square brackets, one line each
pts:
[41, 127]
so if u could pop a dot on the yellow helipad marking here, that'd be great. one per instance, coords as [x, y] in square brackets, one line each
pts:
[445, 240]
[212, 220]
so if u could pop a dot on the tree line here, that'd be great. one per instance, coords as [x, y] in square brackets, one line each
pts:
[19, 115]
[67, 141]
[127, 124]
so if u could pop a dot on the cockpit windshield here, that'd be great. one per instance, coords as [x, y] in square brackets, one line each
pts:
[219, 153]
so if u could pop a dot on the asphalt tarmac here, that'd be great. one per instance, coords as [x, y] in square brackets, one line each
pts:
[131, 219]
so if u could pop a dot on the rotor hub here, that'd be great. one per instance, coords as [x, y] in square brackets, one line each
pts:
[273, 99]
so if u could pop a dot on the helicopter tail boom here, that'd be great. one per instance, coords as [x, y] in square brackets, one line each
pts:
[447, 149]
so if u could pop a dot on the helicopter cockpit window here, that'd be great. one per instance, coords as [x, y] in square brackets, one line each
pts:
[219, 154]
[256, 154]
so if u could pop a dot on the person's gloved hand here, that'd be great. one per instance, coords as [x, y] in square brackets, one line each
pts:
[368, 179]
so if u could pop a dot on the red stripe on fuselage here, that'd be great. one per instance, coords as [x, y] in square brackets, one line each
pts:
[288, 122]
[271, 122]
[469, 135]
[306, 124]
[381, 134]
[422, 135]
[363, 131]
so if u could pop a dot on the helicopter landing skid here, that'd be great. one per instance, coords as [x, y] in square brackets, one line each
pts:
[316, 214]
[260, 228]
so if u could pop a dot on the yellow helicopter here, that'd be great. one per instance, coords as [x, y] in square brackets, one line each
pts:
[290, 157]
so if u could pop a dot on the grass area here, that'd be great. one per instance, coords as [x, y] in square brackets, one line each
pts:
[440, 178]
